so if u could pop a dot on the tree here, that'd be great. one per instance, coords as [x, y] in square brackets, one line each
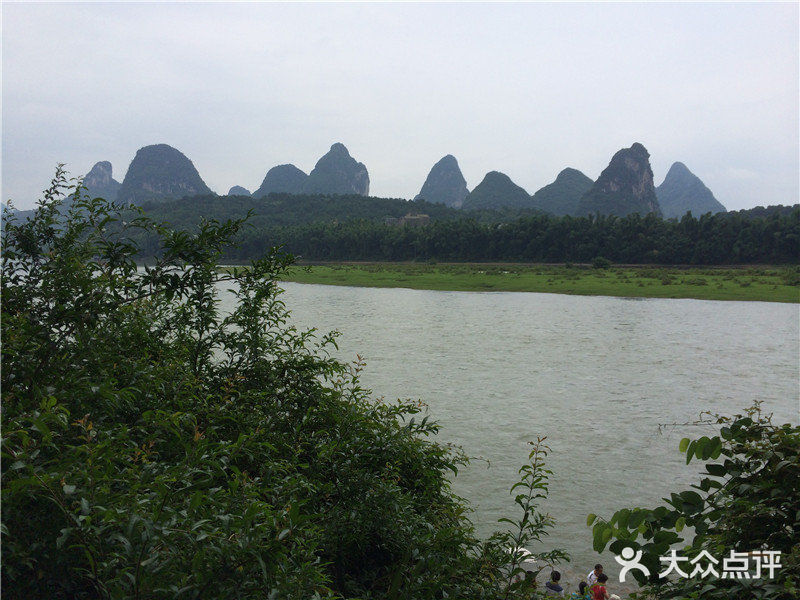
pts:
[154, 447]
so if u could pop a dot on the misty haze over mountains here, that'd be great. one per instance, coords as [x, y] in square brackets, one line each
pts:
[160, 172]
[497, 86]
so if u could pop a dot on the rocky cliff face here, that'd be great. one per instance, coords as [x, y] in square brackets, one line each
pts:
[497, 191]
[286, 179]
[563, 195]
[238, 190]
[338, 173]
[624, 187]
[99, 182]
[160, 172]
[683, 191]
[445, 184]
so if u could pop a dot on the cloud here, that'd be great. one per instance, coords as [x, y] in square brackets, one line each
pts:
[740, 174]
[241, 87]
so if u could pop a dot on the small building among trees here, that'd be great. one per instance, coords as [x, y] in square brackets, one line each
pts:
[412, 220]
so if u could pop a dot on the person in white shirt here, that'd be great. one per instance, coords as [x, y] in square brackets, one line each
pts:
[591, 578]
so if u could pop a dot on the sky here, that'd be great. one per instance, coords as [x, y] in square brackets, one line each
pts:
[523, 88]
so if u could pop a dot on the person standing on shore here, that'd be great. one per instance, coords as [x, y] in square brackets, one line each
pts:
[591, 578]
[553, 587]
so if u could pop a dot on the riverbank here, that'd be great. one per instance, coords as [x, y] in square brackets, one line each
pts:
[766, 284]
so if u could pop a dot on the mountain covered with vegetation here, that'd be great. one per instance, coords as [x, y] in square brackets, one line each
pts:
[497, 191]
[563, 195]
[445, 184]
[337, 173]
[238, 190]
[160, 172]
[294, 209]
[282, 179]
[683, 191]
[624, 187]
[100, 183]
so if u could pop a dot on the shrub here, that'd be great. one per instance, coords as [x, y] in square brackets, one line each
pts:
[601, 263]
[154, 447]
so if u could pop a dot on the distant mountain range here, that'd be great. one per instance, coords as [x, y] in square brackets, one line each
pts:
[624, 187]
[160, 173]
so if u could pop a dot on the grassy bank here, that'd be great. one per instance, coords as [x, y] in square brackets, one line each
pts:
[770, 284]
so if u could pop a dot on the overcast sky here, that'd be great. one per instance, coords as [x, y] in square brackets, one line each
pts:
[527, 89]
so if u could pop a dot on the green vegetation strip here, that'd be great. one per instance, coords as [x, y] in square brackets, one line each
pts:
[767, 284]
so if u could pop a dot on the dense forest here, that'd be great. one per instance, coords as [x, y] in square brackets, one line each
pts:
[353, 227]
[321, 228]
[708, 240]
[281, 209]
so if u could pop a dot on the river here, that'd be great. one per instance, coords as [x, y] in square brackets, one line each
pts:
[596, 375]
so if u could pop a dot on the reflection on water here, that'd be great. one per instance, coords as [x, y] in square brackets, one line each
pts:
[595, 375]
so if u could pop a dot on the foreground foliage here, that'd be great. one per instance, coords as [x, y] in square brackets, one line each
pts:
[154, 447]
[748, 500]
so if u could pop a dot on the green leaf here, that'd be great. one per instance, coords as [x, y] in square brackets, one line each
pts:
[636, 518]
[622, 518]
[684, 444]
[716, 449]
[590, 519]
[607, 533]
[691, 497]
[690, 452]
[597, 541]
[716, 469]
[700, 445]
[197, 499]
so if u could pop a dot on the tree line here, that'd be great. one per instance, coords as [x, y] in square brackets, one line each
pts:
[318, 228]
[708, 240]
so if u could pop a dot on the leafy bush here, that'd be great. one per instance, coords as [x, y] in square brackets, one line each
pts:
[154, 447]
[747, 501]
[600, 262]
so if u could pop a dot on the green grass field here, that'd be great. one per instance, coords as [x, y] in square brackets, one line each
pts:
[769, 284]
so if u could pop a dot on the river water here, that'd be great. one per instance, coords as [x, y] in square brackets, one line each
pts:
[596, 375]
